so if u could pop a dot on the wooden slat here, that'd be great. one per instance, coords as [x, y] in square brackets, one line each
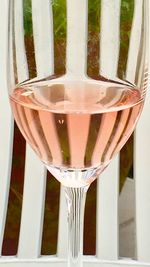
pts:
[134, 44]
[76, 66]
[141, 142]
[35, 176]
[33, 207]
[76, 58]
[108, 183]
[54, 261]
[21, 60]
[133, 53]
[6, 122]
[43, 37]
[109, 38]
[142, 180]
[107, 213]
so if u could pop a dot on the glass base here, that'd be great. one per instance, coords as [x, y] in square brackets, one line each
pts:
[75, 177]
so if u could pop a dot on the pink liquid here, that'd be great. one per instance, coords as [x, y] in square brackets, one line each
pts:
[76, 125]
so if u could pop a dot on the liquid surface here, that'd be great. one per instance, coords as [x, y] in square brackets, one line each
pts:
[76, 125]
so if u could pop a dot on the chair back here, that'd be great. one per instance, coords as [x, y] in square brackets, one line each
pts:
[116, 214]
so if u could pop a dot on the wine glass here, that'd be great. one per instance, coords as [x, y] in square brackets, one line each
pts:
[77, 83]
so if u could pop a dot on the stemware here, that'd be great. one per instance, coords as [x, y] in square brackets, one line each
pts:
[77, 79]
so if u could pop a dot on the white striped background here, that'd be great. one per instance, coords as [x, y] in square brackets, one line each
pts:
[107, 244]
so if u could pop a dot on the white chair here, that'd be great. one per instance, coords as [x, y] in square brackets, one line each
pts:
[107, 231]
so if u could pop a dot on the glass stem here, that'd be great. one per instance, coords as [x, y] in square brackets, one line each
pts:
[75, 204]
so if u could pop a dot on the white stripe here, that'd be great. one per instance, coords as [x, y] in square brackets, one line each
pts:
[21, 60]
[6, 122]
[43, 37]
[76, 66]
[107, 213]
[76, 37]
[135, 71]
[109, 38]
[88, 261]
[108, 182]
[33, 207]
[134, 44]
[142, 181]
[34, 192]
